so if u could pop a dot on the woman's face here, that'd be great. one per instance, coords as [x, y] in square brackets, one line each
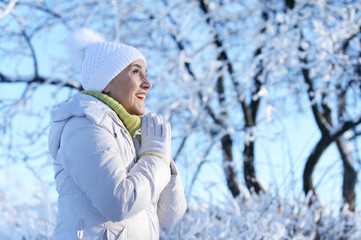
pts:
[130, 87]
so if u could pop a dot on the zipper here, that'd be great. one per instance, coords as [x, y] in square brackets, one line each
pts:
[80, 231]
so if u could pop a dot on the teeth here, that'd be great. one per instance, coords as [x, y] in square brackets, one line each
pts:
[140, 96]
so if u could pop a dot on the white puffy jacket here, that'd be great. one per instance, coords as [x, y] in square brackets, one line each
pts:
[104, 191]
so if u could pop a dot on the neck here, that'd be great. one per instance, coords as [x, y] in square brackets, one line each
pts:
[131, 122]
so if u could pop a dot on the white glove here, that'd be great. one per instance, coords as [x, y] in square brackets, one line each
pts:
[156, 138]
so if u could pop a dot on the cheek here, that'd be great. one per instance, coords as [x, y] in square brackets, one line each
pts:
[129, 86]
[125, 91]
[128, 96]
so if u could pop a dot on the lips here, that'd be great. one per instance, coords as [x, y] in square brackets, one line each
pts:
[141, 96]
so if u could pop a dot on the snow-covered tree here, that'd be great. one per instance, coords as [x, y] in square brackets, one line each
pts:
[222, 72]
[319, 50]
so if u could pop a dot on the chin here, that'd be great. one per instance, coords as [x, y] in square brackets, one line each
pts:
[137, 112]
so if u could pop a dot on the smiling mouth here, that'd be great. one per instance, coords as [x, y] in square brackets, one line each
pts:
[141, 96]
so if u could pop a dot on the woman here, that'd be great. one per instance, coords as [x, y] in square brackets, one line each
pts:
[114, 181]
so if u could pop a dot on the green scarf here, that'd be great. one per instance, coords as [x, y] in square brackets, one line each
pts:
[131, 122]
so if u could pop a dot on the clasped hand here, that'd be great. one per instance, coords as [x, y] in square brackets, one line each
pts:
[156, 137]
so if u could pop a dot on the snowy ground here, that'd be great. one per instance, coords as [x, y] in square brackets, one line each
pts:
[265, 217]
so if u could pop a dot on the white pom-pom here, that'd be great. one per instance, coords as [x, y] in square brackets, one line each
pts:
[79, 41]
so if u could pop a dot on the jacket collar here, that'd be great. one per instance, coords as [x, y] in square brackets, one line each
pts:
[84, 105]
[80, 105]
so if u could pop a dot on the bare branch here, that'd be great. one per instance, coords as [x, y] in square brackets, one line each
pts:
[9, 8]
[42, 80]
[320, 147]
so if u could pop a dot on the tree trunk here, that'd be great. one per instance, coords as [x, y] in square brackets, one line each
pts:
[311, 162]
[320, 147]
[349, 176]
[228, 167]
[249, 169]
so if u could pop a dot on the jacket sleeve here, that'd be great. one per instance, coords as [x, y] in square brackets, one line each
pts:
[172, 203]
[98, 166]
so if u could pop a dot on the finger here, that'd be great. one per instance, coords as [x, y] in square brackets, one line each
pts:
[144, 127]
[167, 132]
[158, 125]
[151, 114]
[151, 125]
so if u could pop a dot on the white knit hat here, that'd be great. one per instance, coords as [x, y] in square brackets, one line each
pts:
[101, 61]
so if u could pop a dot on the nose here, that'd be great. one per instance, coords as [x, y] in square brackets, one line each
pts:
[146, 84]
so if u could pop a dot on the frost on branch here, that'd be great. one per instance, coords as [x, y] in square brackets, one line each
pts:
[263, 217]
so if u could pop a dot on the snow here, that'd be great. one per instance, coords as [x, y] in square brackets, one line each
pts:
[265, 217]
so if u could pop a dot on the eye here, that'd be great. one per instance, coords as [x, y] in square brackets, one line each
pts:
[135, 71]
